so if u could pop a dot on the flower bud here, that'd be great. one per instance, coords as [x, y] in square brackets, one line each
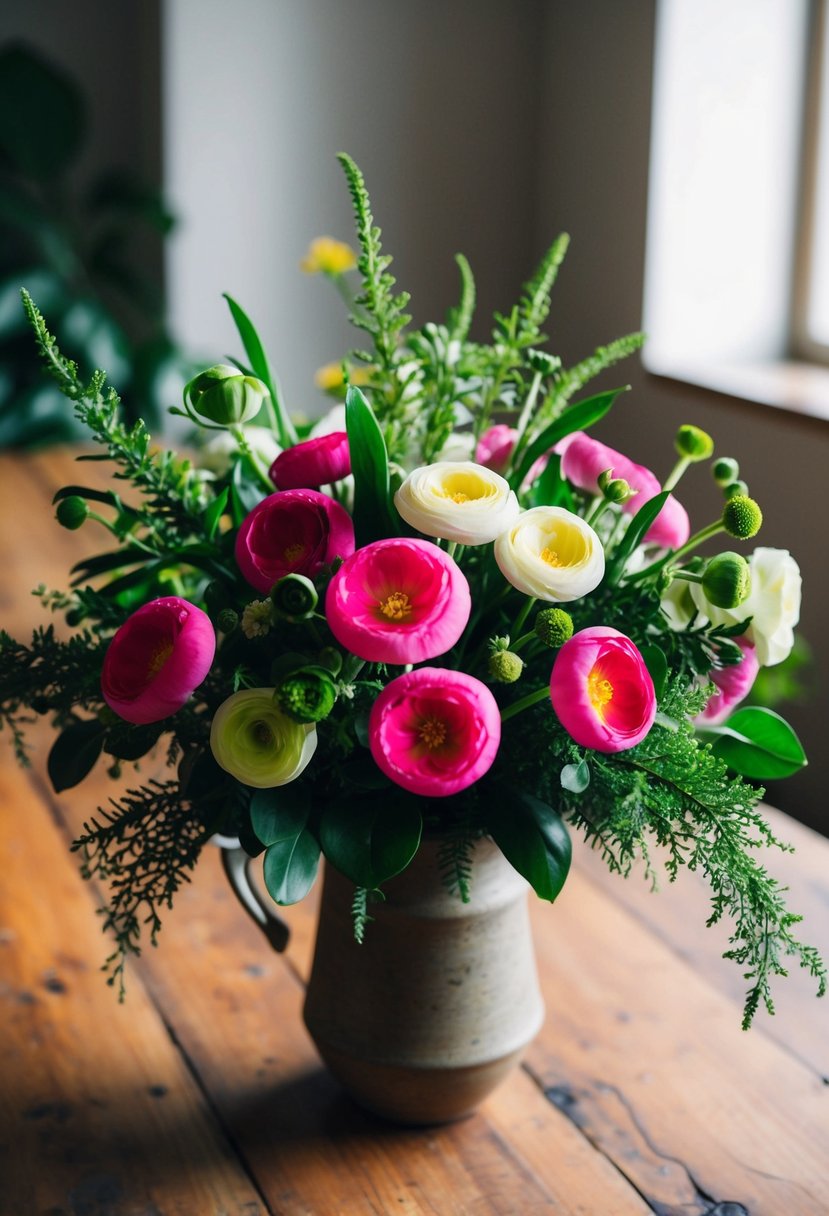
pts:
[618, 490]
[505, 666]
[541, 361]
[227, 620]
[72, 512]
[725, 470]
[294, 597]
[727, 580]
[553, 626]
[223, 395]
[742, 517]
[693, 443]
[307, 695]
[735, 487]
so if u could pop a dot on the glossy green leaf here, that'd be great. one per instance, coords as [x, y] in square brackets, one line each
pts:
[214, 512]
[127, 742]
[575, 777]
[533, 838]
[758, 743]
[576, 417]
[657, 666]
[373, 515]
[637, 528]
[260, 367]
[371, 840]
[74, 753]
[290, 867]
[276, 814]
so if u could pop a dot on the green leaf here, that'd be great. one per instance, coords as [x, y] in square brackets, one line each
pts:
[214, 513]
[575, 418]
[106, 496]
[374, 518]
[637, 528]
[74, 753]
[575, 777]
[534, 840]
[290, 867]
[244, 489]
[127, 742]
[657, 666]
[276, 814]
[371, 840]
[260, 367]
[758, 743]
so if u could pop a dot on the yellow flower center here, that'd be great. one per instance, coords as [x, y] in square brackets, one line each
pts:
[396, 606]
[550, 556]
[599, 690]
[159, 659]
[464, 487]
[459, 496]
[432, 732]
[294, 552]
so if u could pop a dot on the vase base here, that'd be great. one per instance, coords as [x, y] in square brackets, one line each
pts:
[414, 1096]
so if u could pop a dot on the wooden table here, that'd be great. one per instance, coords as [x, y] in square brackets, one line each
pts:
[203, 1095]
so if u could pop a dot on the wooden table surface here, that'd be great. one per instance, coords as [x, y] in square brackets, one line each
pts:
[202, 1094]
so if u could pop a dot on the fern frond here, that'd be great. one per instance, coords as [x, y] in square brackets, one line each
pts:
[460, 318]
[534, 307]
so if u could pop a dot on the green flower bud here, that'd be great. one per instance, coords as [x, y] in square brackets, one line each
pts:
[505, 666]
[742, 517]
[331, 660]
[541, 362]
[735, 487]
[694, 443]
[727, 580]
[227, 620]
[223, 395]
[618, 490]
[604, 479]
[307, 695]
[294, 597]
[72, 512]
[554, 626]
[725, 470]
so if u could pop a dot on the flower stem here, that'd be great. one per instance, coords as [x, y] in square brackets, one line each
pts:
[676, 472]
[523, 614]
[532, 698]
[246, 450]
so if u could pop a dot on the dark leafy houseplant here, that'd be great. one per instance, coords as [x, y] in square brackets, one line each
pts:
[476, 627]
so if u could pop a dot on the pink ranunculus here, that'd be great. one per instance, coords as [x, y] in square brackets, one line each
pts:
[733, 684]
[434, 732]
[601, 690]
[155, 660]
[398, 601]
[495, 447]
[316, 462]
[584, 458]
[292, 532]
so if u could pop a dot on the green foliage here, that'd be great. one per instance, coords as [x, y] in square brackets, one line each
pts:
[533, 838]
[757, 743]
[373, 514]
[368, 844]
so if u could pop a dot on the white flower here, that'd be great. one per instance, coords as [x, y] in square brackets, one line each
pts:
[457, 500]
[216, 454]
[459, 446]
[333, 420]
[773, 603]
[551, 554]
[677, 603]
[256, 743]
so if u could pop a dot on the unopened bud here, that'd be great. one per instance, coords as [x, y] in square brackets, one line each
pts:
[307, 695]
[618, 490]
[727, 580]
[735, 487]
[294, 597]
[725, 470]
[227, 620]
[72, 512]
[541, 361]
[505, 666]
[694, 443]
[553, 626]
[742, 517]
[225, 396]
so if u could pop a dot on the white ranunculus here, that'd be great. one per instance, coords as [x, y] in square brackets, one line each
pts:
[677, 603]
[333, 420]
[459, 446]
[551, 554]
[217, 453]
[773, 603]
[457, 500]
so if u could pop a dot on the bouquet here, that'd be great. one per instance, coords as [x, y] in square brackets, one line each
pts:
[445, 609]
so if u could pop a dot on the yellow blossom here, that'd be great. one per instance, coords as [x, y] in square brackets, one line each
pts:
[327, 256]
[330, 377]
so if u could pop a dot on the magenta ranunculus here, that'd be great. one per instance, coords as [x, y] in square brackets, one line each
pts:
[316, 462]
[733, 684]
[434, 731]
[156, 659]
[398, 601]
[495, 447]
[601, 690]
[584, 458]
[292, 532]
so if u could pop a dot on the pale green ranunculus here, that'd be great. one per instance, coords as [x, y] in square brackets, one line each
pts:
[256, 743]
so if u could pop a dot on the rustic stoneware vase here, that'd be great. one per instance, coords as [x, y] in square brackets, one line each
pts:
[425, 1017]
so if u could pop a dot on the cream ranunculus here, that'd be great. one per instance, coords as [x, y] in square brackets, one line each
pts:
[551, 554]
[773, 604]
[457, 500]
[259, 745]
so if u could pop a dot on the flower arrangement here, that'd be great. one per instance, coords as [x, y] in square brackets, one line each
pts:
[447, 608]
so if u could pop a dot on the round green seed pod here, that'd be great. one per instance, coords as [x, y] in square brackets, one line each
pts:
[72, 512]
[694, 443]
[726, 581]
[735, 487]
[725, 470]
[553, 626]
[505, 666]
[742, 517]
